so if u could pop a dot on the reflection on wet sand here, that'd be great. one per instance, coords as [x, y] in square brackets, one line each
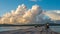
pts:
[31, 30]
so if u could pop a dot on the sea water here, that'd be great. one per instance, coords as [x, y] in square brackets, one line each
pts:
[53, 28]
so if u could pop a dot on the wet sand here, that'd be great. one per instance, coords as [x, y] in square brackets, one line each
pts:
[33, 30]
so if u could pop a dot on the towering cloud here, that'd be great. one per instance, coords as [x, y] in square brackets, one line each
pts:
[22, 15]
[21, 9]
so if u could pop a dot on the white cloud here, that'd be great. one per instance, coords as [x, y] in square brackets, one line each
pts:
[22, 15]
[57, 11]
[53, 14]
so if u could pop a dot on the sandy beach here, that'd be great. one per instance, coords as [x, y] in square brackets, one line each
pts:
[33, 30]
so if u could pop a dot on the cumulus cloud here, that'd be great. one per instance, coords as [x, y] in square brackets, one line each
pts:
[22, 15]
[53, 14]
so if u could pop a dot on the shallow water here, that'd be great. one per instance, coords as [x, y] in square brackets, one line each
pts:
[53, 28]
[11, 28]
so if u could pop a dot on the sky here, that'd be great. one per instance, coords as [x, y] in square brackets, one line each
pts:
[32, 15]
[8, 5]
[29, 11]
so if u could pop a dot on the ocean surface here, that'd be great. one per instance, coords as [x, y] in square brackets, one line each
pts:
[53, 28]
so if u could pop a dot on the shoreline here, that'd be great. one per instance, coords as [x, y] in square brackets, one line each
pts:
[30, 31]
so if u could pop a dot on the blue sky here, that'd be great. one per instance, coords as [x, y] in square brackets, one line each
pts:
[8, 5]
